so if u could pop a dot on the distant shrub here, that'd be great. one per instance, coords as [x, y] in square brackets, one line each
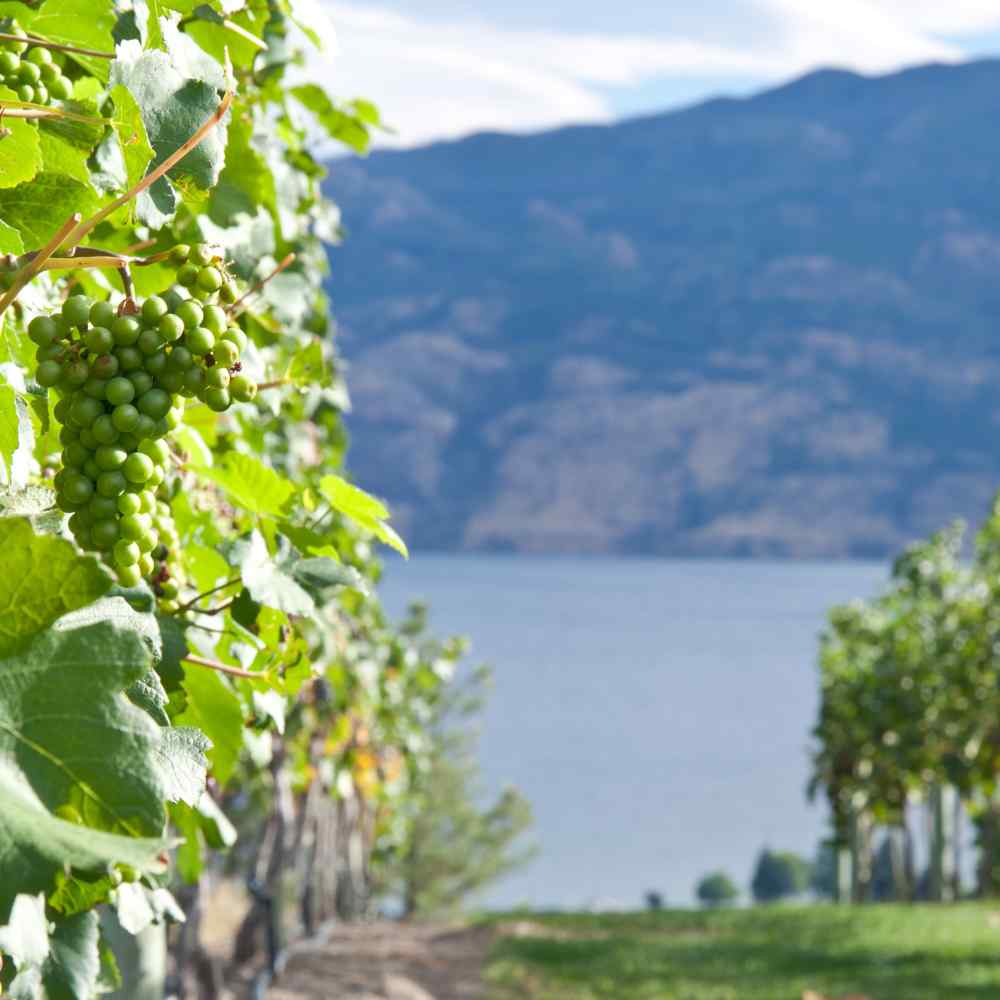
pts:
[779, 874]
[717, 889]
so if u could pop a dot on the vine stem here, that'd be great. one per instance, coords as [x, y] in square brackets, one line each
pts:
[32, 267]
[273, 384]
[81, 230]
[222, 668]
[238, 306]
[208, 593]
[44, 43]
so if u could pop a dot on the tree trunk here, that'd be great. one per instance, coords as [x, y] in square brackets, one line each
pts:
[861, 856]
[844, 862]
[942, 811]
[142, 959]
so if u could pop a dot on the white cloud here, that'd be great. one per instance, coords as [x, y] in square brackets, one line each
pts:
[447, 78]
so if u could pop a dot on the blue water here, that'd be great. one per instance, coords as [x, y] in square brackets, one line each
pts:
[655, 712]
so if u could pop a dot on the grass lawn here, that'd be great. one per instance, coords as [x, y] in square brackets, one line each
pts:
[771, 953]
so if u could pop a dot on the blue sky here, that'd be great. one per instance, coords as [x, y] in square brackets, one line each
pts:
[444, 68]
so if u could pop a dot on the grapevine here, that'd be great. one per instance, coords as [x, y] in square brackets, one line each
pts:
[33, 72]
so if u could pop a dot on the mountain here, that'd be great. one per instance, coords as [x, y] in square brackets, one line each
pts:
[765, 326]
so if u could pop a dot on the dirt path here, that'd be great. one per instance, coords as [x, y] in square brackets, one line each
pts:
[387, 961]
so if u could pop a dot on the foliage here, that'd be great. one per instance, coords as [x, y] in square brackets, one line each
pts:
[717, 889]
[243, 649]
[914, 952]
[778, 875]
[454, 847]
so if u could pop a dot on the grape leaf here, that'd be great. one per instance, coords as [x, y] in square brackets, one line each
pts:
[10, 239]
[269, 584]
[20, 153]
[349, 127]
[43, 579]
[250, 483]
[132, 139]
[36, 209]
[215, 709]
[82, 23]
[362, 508]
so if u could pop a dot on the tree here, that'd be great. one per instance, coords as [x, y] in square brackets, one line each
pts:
[717, 889]
[455, 846]
[778, 875]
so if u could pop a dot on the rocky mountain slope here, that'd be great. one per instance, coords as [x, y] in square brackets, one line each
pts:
[754, 327]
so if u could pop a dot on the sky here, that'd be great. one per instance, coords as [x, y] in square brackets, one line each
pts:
[441, 69]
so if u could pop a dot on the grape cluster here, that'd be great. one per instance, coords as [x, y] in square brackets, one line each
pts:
[122, 376]
[31, 71]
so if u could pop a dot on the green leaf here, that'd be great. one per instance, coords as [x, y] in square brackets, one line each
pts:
[318, 574]
[20, 152]
[348, 127]
[10, 239]
[74, 964]
[270, 585]
[132, 140]
[67, 143]
[250, 483]
[38, 208]
[43, 579]
[308, 366]
[26, 936]
[213, 707]
[362, 508]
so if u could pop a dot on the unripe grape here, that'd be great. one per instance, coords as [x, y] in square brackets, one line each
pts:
[171, 328]
[130, 503]
[105, 367]
[217, 399]
[111, 484]
[181, 358]
[209, 279]
[26, 93]
[156, 364]
[168, 589]
[130, 359]
[54, 352]
[190, 314]
[125, 417]
[147, 543]
[199, 340]
[194, 380]
[226, 353]
[78, 489]
[69, 434]
[147, 498]
[94, 388]
[104, 430]
[101, 508]
[129, 576]
[41, 93]
[171, 381]
[134, 526]
[109, 458]
[99, 340]
[9, 63]
[216, 378]
[153, 309]
[138, 468]
[242, 388]
[141, 381]
[91, 469]
[229, 293]
[146, 564]
[42, 331]
[48, 374]
[126, 330]
[146, 427]
[215, 320]
[187, 274]
[75, 373]
[154, 403]
[39, 56]
[76, 310]
[148, 342]
[105, 533]
[127, 553]
[202, 253]
[102, 314]
[157, 477]
[61, 88]
[74, 455]
[179, 254]
[85, 410]
[88, 440]
[80, 521]
[128, 441]
[156, 450]
[28, 72]
[119, 390]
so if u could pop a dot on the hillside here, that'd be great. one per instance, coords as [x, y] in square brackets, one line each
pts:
[765, 326]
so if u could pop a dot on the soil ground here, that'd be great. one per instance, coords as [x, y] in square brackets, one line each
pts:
[388, 961]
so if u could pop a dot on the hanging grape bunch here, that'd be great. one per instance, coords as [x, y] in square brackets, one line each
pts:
[33, 72]
[122, 380]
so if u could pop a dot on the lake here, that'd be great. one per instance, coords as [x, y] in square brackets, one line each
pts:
[656, 712]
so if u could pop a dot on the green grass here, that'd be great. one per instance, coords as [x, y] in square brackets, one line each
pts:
[881, 952]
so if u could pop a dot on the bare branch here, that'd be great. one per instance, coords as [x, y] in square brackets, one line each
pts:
[238, 306]
[32, 267]
[44, 43]
[222, 668]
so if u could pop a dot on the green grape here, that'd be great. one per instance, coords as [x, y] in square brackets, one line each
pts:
[147, 543]
[26, 93]
[217, 399]
[127, 553]
[126, 330]
[130, 503]
[187, 274]
[54, 352]
[39, 55]
[141, 381]
[125, 417]
[28, 72]
[156, 450]
[79, 521]
[76, 310]
[108, 458]
[119, 390]
[146, 427]
[105, 533]
[88, 440]
[85, 410]
[91, 469]
[138, 468]
[78, 489]
[111, 484]
[128, 441]
[61, 410]
[215, 320]
[217, 378]
[48, 374]
[42, 330]
[194, 380]
[41, 93]
[199, 340]
[174, 296]
[104, 430]
[169, 588]
[171, 328]
[75, 455]
[130, 576]
[99, 340]
[61, 88]
[94, 388]
[154, 403]
[69, 434]
[105, 367]
[156, 364]
[226, 353]
[148, 342]
[171, 381]
[130, 359]
[9, 64]
[180, 253]
[103, 314]
[101, 508]
[181, 358]
[209, 279]
[190, 314]
[75, 373]
[242, 388]
[228, 293]
[159, 474]
[153, 309]
[134, 526]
